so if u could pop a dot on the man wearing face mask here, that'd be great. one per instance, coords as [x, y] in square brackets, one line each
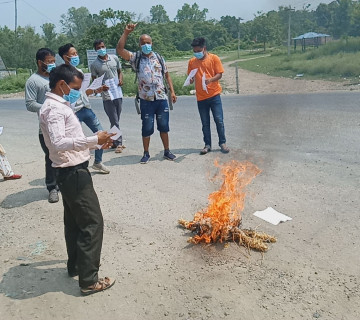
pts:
[151, 70]
[82, 106]
[208, 89]
[35, 89]
[69, 152]
[110, 66]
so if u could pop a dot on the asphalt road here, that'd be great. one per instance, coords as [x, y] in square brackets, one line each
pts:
[307, 146]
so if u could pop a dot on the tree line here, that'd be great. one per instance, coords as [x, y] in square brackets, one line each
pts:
[340, 18]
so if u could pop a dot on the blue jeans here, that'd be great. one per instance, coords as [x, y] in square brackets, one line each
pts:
[149, 109]
[214, 104]
[87, 116]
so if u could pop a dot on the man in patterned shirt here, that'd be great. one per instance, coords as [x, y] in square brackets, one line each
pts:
[152, 92]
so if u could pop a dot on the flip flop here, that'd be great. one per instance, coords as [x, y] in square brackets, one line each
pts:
[101, 285]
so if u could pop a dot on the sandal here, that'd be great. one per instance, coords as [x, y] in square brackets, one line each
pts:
[205, 150]
[101, 285]
[224, 148]
[118, 149]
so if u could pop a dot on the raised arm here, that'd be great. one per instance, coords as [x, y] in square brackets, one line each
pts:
[120, 48]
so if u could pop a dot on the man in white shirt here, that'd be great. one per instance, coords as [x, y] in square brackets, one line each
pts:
[82, 107]
[69, 153]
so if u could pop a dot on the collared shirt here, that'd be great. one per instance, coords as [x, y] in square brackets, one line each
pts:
[63, 135]
[150, 78]
[109, 66]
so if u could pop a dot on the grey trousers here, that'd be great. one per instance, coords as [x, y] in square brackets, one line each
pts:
[113, 110]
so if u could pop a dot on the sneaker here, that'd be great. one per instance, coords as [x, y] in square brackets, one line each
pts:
[205, 150]
[100, 167]
[168, 155]
[53, 196]
[145, 158]
[224, 148]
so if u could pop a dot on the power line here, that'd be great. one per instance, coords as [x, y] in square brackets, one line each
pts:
[7, 1]
[38, 11]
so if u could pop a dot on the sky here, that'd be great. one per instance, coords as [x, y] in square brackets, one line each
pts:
[37, 12]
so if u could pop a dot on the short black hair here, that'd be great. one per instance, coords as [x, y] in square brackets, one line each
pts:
[96, 42]
[64, 72]
[42, 53]
[65, 49]
[198, 42]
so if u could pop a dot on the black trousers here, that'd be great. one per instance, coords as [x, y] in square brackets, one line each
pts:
[83, 222]
[50, 174]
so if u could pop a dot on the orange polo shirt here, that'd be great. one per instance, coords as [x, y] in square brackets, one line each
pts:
[211, 65]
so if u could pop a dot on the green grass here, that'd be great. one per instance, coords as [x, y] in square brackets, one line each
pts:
[12, 84]
[333, 61]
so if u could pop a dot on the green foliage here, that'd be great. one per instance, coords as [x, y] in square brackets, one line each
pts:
[12, 84]
[191, 13]
[158, 14]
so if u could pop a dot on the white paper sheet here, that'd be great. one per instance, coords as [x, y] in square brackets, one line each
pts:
[190, 76]
[115, 91]
[86, 81]
[204, 86]
[272, 216]
[117, 131]
[115, 137]
[97, 83]
[1, 129]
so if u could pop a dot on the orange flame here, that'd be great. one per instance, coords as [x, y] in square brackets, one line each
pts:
[223, 214]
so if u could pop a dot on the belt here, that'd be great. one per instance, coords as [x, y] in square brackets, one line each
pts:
[66, 170]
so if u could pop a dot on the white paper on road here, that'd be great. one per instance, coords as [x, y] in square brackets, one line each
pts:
[86, 81]
[1, 129]
[272, 216]
[115, 91]
[97, 83]
[204, 86]
[190, 76]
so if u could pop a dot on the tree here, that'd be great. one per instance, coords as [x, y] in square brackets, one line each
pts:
[266, 28]
[49, 34]
[192, 13]
[76, 21]
[158, 14]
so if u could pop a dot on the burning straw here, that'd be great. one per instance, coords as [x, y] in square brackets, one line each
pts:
[221, 220]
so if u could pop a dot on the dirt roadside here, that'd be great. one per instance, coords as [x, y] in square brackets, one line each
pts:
[251, 83]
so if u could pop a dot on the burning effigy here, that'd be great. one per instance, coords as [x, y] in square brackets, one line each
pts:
[221, 220]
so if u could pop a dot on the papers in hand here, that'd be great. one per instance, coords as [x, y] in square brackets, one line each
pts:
[272, 216]
[204, 86]
[117, 131]
[115, 137]
[190, 76]
[1, 129]
[86, 81]
[97, 83]
[115, 91]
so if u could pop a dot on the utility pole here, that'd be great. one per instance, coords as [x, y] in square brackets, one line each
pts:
[15, 18]
[239, 37]
[289, 31]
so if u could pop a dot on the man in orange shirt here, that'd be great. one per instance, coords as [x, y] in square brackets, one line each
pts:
[208, 89]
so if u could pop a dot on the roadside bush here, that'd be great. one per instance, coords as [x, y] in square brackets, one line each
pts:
[13, 84]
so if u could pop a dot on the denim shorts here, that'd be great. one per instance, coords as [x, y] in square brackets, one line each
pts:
[149, 109]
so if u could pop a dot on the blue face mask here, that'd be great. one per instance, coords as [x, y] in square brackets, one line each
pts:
[74, 61]
[146, 48]
[101, 52]
[49, 66]
[199, 55]
[72, 96]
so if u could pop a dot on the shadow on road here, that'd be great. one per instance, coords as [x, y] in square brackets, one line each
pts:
[25, 197]
[26, 281]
